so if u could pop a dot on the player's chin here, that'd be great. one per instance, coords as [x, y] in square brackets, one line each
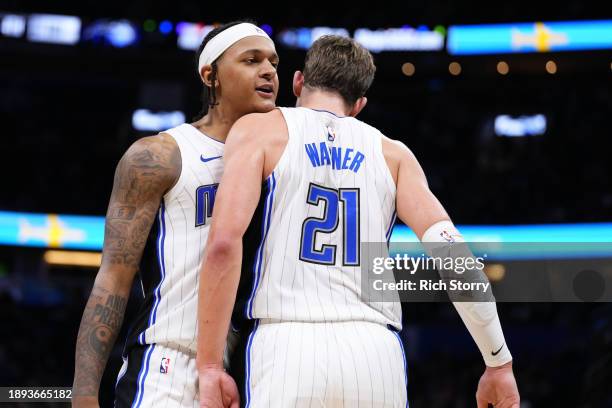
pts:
[264, 105]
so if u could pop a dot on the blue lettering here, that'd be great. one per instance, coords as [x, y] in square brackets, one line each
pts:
[205, 201]
[357, 160]
[324, 154]
[336, 154]
[311, 151]
[347, 157]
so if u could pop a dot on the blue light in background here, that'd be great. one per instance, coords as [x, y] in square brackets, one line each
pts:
[117, 33]
[165, 27]
[587, 232]
[122, 34]
[530, 242]
[529, 37]
[87, 232]
[51, 231]
[267, 28]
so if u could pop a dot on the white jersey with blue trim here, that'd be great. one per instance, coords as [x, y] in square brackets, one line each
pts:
[170, 286]
[330, 191]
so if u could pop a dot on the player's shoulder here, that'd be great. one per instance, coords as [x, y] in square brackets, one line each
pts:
[396, 149]
[258, 128]
[271, 118]
[157, 153]
[161, 144]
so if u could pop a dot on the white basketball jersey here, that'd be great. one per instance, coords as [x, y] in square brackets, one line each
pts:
[170, 283]
[331, 191]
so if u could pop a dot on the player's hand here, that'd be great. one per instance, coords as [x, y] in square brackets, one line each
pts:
[217, 389]
[497, 386]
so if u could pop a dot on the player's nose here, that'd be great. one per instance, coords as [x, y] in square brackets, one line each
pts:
[268, 70]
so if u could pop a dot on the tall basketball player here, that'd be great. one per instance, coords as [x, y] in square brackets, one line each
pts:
[331, 182]
[165, 188]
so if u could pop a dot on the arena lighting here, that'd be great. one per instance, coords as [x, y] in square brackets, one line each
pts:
[525, 242]
[73, 258]
[454, 68]
[529, 37]
[582, 232]
[54, 29]
[391, 39]
[521, 126]
[145, 120]
[495, 272]
[190, 35]
[400, 39]
[503, 68]
[267, 28]
[12, 25]
[51, 230]
[117, 33]
[87, 232]
[149, 25]
[302, 38]
[165, 27]
[408, 69]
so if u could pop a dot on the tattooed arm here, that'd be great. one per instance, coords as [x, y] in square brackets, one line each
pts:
[149, 168]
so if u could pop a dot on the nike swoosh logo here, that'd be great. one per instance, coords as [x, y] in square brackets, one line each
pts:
[494, 353]
[207, 159]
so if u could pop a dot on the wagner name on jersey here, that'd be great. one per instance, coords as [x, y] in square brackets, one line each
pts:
[330, 191]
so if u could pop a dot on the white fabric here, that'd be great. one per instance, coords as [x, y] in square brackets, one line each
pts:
[167, 378]
[184, 225]
[480, 318]
[334, 365]
[225, 39]
[330, 153]
[442, 231]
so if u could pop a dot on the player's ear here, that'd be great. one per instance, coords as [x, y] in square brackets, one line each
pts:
[358, 106]
[205, 75]
[298, 83]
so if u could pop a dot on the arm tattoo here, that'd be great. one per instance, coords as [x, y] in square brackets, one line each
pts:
[148, 169]
[99, 328]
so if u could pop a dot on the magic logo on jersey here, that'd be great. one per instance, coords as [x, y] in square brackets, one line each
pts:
[205, 201]
[339, 158]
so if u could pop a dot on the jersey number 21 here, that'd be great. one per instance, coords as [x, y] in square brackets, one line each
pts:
[332, 211]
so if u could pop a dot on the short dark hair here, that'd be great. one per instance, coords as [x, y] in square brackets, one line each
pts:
[209, 96]
[339, 64]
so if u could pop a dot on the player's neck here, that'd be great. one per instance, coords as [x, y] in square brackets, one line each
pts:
[322, 100]
[217, 122]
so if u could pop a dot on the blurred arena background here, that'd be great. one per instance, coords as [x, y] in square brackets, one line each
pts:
[511, 123]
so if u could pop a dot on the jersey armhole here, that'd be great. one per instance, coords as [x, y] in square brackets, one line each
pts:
[280, 165]
[172, 191]
[387, 170]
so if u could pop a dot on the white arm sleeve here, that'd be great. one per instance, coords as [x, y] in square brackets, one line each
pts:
[480, 318]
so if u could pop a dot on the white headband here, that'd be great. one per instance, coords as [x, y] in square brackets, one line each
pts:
[225, 39]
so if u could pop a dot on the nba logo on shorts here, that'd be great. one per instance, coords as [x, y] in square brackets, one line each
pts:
[164, 366]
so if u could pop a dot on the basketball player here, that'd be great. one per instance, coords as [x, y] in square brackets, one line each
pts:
[330, 182]
[165, 188]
